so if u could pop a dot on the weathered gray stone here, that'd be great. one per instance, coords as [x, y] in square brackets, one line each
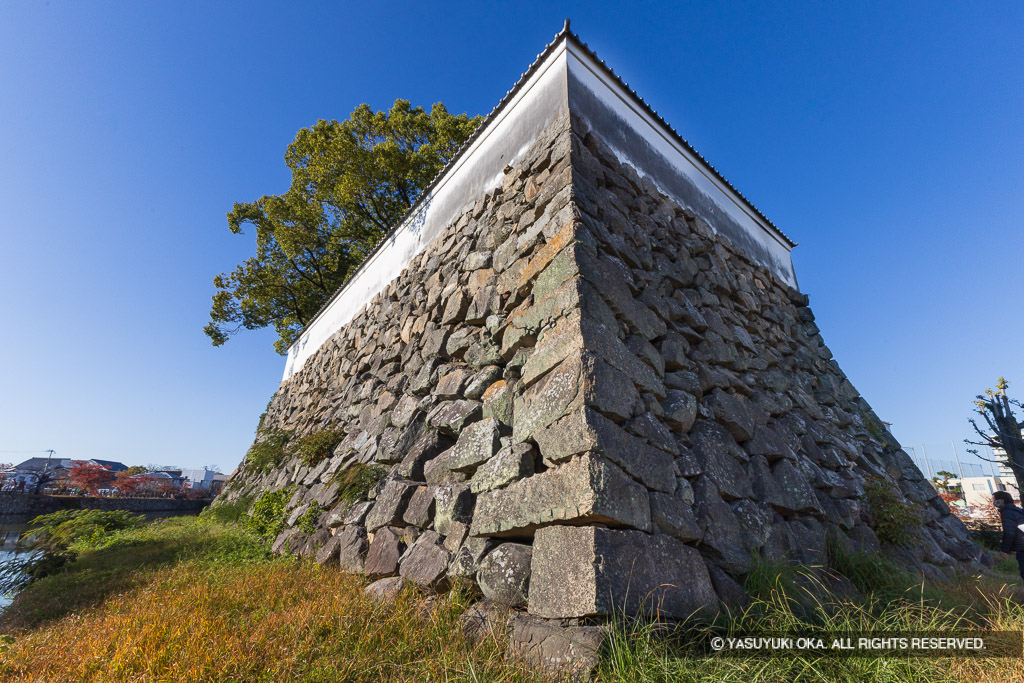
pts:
[480, 381]
[437, 470]
[404, 411]
[723, 537]
[504, 574]
[428, 446]
[587, 489]
[356, 513]
[467, 556]
[797, 494]
[315, 541]
[586, 430]
[584, 571]
[508, 465]
[477, 443]
[719, 459]
[680, 410]
[328, 554]
[382, 556]
[673, 351]
[649, 427]
[673, 516]
[385, 590]
[732, 412]
[484, 619]
[450, 384]
[420, 510]
[767, 443]
[390, 504]
[579, 380]
[352, 549]
[452, 503]
[451, 417]
[498, 401]
[572, 650]
[426, 562]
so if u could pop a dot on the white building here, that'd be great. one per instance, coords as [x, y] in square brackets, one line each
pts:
[200, 480]
[978, 491]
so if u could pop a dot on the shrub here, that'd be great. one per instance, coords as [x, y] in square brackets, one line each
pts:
[235, 511]
[356, 480]
[892, 519]
[270, 450]
[58, 531]
[268, 514]
[315, 446]
[307, 522]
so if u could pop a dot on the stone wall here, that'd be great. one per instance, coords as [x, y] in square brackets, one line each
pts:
[29, 505]
[582, 397]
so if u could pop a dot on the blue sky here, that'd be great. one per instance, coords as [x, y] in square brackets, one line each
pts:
[884, 137]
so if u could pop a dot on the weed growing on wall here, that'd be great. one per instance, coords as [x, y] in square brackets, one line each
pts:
[892, 519]
[268, 514]
[270, 451]
[355, 481]
[315, 446]
[307, 522]
[235, 511]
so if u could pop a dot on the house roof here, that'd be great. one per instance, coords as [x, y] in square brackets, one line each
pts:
[39, 464]
[111, 465]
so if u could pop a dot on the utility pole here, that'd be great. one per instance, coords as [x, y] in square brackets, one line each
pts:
[927, 462]
[991, 468]
[46, 468]
[960, 467]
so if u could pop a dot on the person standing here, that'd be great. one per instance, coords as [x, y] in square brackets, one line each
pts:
[1012, 517]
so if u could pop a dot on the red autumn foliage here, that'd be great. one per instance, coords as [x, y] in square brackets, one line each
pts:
[133, 484]
[89, 476]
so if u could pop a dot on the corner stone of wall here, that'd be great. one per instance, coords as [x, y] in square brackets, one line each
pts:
[581, 383]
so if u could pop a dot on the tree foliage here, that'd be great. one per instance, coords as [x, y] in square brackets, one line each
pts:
[1002, 431]
[351, 182]
[941, 482]
[90, 476]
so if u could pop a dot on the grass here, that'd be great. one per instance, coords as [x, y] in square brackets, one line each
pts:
[201, 599]
[269, 451]
[355, 481]
[197, 599]
[316, 446]
[798, 599]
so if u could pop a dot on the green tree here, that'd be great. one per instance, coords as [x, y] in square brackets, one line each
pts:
[1002, 433]
[351, 182]
[941, 482]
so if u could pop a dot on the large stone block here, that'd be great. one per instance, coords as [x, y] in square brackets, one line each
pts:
[572, 650]
[581, 379]
[587, 430]
[587, 571]
[390, 504]
[587, 489]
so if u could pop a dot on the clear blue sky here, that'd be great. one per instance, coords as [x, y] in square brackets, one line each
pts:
[884, 137]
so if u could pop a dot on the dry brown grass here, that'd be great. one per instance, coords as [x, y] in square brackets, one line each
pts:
[272, 620]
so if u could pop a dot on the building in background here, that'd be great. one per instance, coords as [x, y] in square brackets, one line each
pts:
[201, 480]
[977, 491]
[27, 474]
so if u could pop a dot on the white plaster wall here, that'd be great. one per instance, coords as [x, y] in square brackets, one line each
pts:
[591, 75]
[543, 98]
[537, 104]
